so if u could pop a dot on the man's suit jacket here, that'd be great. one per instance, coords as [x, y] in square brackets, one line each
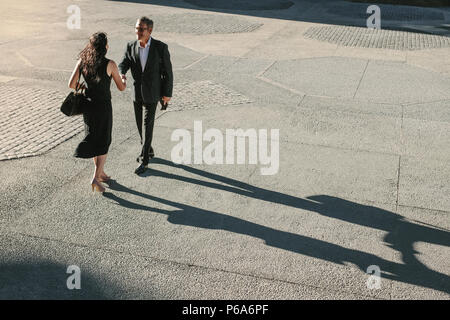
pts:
[147, 84]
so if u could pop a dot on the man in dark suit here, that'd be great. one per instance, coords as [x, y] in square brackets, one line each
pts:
[149, 61]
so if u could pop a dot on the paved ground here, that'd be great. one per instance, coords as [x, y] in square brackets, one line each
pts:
[363, 177]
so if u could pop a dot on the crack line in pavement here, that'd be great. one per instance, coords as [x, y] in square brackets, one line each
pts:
[277, 84]
[24, 59]
[427, 224]
[422, 208]
[195, 62]
[398, 183]
[398, 176]
[265, 69]
[251, 174]
[400, 157]
[300, 103]
[424, 102]
[353, 100]
[263, 42]
[360, 80]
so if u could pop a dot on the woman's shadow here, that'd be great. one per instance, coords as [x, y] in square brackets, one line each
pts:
[401, 234]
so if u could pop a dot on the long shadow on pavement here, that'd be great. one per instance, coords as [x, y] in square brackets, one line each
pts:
[401, 234]
[42, 280]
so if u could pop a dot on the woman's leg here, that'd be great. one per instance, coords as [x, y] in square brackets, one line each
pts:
[97, 174]
[100, 173]
[96, 167]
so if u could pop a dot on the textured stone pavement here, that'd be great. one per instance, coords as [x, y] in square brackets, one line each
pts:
[363, 177]
[31, 124]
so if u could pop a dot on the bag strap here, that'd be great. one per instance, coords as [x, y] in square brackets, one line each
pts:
[78, 84]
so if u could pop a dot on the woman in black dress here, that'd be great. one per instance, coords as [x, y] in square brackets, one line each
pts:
[97, 71]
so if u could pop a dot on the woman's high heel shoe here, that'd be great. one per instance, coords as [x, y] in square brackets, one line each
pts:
[97, 186]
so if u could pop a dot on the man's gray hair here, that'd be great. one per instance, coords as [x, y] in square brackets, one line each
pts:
[147, 21]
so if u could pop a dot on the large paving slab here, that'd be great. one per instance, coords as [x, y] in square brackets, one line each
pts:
[372, 54]
[332, 76]
[426, 139]
[432, 111]
[344, 124]
[317, 169]
[432, 59]
[394, 82]
[424, 183]
[297, 47]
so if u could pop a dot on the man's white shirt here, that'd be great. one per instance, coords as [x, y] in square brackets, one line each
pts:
[143, 52]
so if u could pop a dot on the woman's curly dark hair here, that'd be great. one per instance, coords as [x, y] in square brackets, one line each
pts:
[93, 54]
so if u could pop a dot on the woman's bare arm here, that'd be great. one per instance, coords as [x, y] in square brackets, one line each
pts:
[114, 72]
[75, 76]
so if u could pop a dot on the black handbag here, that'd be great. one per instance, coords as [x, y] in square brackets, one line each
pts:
[76, 102]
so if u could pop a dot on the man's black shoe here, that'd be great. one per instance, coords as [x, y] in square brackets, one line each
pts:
[151, 155]
[141, 169]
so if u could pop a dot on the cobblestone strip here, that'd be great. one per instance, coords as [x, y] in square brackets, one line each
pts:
[374, 38]
[31, 122]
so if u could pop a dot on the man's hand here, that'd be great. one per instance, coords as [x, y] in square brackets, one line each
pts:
[166, 100]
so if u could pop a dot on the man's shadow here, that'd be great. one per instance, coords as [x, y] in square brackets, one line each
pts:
[401, 234]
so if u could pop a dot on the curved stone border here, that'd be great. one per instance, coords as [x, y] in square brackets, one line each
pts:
[242, 4]
[374, 38]
[199, 23]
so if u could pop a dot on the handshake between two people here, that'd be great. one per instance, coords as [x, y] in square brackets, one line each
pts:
[164, 100]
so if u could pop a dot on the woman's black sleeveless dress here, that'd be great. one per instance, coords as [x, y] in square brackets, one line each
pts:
[98, 117]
